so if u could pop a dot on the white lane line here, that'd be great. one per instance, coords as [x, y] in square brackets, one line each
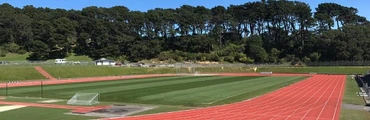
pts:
[7, 108]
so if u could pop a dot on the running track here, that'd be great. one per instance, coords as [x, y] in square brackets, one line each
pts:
[318, 97]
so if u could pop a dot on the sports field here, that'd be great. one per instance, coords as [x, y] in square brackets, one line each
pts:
[178, 90]
[38, 113]
[173, 93]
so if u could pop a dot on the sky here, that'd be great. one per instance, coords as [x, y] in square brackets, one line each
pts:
[144, 5]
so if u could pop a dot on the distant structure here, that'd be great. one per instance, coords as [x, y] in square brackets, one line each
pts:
[60, 61]
[104, 61]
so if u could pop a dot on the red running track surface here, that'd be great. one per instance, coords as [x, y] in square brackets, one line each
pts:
[44, 73]
[318, 97]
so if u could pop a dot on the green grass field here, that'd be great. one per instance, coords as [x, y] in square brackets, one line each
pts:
[350, 97]
[37, 113]
[184, 91]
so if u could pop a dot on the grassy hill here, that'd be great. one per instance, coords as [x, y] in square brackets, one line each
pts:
[10, 73]
[92, 71]
[14, 57]
[23, 57]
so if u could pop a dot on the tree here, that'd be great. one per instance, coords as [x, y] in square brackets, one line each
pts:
[260, 31]
[39, 49]
[274, 55]
[255, 50]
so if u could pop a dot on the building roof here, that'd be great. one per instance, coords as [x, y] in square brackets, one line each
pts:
[104, 60]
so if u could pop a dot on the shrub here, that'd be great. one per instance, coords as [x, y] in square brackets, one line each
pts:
[230, 59]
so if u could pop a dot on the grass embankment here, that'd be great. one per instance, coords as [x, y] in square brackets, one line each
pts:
[13, 57]
[183, 91]
[350, 97]
[37, 113]
[93, 71]
[11, 73]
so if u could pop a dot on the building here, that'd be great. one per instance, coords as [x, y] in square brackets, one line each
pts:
[104, 61]
[60, 61]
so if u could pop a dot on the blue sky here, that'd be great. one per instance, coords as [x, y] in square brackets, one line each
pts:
[144, 5]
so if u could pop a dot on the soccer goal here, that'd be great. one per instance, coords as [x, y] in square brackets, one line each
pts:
[84, 99]
[185, 71]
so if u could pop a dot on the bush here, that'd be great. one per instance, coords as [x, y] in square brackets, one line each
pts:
[306, 59]
[11, 47]
[315, 56]
[3, 53]
[22, 52]
[230, 59]
[166, 55]
[290, 58]
[296, 62]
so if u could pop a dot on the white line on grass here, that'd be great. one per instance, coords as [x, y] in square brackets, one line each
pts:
[7, 108]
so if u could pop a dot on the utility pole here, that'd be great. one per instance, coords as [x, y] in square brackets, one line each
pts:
[6, 89]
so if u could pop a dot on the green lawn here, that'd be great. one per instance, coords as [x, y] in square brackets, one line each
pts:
[184, 91]
[348, 114]
[350, 97]
[74, 57]
[37, 113]
[15, 57]
[12, 73]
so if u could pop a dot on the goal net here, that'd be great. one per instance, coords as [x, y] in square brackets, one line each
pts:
[186, 71]
[84, 99]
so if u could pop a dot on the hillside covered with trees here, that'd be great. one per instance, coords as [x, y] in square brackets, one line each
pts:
[262, 31]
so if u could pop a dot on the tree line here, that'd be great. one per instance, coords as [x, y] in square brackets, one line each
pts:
[261, 31]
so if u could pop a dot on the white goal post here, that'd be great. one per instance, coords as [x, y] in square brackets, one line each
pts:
[84, 99]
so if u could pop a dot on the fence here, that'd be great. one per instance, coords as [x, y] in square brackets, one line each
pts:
[232, 65]
[363, 82]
